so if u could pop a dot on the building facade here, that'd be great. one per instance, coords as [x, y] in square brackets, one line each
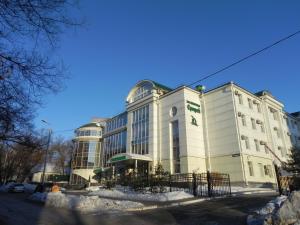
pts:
[227, 129]
[87, 152]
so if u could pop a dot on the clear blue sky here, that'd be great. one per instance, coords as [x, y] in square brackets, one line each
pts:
[174, 43]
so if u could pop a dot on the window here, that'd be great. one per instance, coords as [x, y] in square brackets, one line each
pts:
[240, 99]
[86, 155]
[114, 144]
[262, 127]
[250, 103]
[247, 144]
[175, 146]
[141, 92]
[244, 120]
[256, 145]
[261, 169]
[266, 149]
[140, 131]
[268, 170]
[258, 108]
[250, 166]
[282, 151]
[253, 123]
[277, 131]
[116, 123]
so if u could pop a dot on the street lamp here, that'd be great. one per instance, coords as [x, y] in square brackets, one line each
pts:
[47, 148]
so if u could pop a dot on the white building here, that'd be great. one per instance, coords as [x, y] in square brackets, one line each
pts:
[227, 129]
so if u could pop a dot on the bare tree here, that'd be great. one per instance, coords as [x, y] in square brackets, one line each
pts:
[61, 151]
[29, 34]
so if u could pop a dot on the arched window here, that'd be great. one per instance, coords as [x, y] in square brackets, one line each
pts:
[142, 91]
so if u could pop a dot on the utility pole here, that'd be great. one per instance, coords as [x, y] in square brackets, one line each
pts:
[46, 154]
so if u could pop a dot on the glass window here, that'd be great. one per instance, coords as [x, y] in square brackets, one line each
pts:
[114, 144]
[262, 128]
[253, 123]
[85, 154]
[261, 169]
[247, 144]
[250, 166]
[240, 99]
[258, 108]
[175, 146]
[140, 130]
[244, 120]
[141, 92]
[250, 103]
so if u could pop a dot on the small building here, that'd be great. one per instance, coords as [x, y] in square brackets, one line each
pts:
[50, 171]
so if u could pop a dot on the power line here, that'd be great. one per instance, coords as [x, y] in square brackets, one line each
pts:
[245, 58]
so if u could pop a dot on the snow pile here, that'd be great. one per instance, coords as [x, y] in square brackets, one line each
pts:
[93, 188]
[82, 203]
[249, 190]
[283, 210]
[132, 195]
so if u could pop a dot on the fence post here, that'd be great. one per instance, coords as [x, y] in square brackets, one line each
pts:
[229, 185]
[170, 182]
[208, 184]
[194, 184]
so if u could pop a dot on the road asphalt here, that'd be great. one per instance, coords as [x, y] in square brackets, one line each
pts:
[15, 209]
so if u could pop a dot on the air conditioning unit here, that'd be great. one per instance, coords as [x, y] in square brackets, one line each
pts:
[240, 114]
[262, 142]
[243, 137]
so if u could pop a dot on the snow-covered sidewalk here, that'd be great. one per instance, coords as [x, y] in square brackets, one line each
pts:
[83, 203]
[125, 193]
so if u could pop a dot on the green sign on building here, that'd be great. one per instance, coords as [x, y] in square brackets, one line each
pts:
[119, 158]
[193, 107]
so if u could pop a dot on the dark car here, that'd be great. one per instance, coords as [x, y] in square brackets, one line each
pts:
[16, 188]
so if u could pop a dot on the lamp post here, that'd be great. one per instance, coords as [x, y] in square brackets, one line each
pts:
[47, 149]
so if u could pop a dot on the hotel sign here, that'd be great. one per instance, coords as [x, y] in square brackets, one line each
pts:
[193, 107]
[119, 158]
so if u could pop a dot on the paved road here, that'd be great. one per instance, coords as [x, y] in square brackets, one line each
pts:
[16, 210]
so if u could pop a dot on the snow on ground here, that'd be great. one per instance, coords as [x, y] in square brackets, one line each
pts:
[282, 210]
[125, 193]
[82, 203]
[249, 190]
[93, 188]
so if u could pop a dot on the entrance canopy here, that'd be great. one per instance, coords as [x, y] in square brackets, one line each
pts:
[128, 156]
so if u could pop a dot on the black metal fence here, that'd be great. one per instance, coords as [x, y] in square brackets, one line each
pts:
[200, 185]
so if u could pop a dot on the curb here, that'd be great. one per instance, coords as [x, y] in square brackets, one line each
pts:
[167, 205]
